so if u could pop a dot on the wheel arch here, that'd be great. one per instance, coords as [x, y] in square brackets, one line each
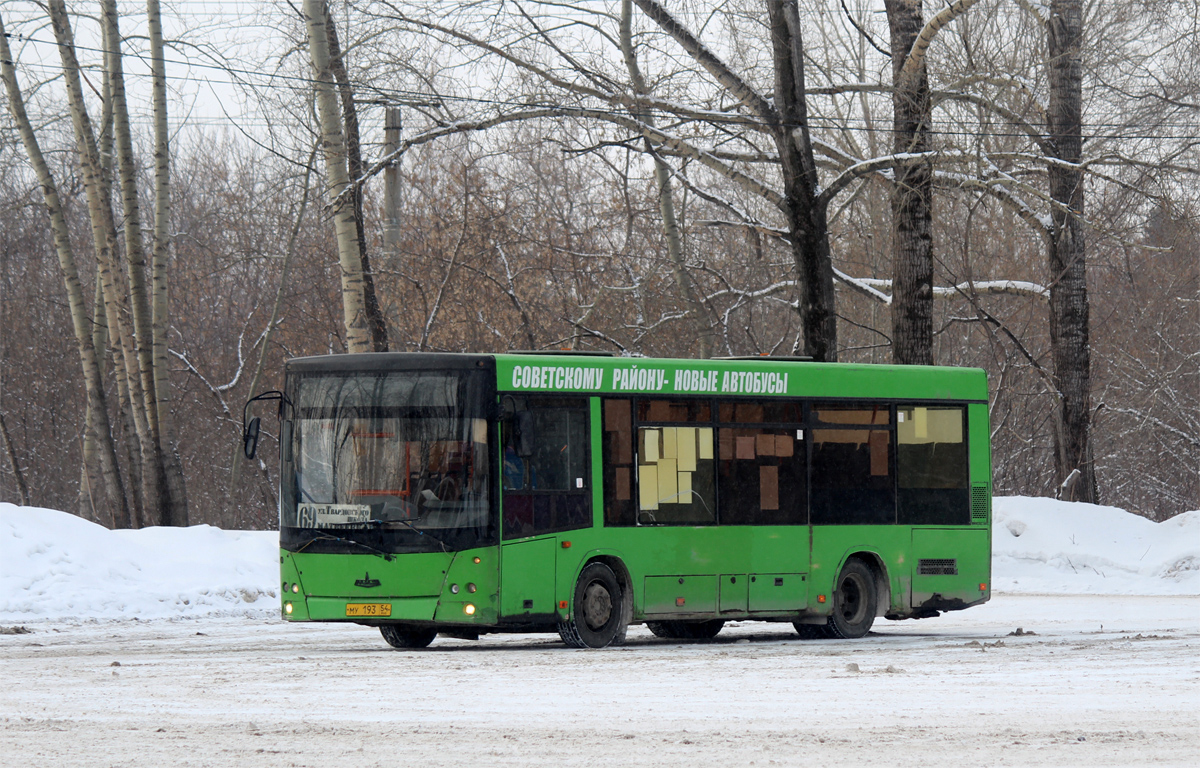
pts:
[883, 585]
[615, 562]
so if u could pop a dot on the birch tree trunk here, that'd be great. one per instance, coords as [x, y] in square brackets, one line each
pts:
[93, 383]
[104, 240]
[666, 197]
[177, 510]
[355, 168]
[89, 475]
[333, 142]
[89, 457]
[153, 475]
[1069, 308]
[912, 192]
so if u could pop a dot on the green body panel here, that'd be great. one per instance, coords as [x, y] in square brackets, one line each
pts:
[676, 595]
[834, 544]
[527, 577]
[414, 585]
[620, 376]
[731, 572]
[778, 592]
[968, 548]
[733, 594]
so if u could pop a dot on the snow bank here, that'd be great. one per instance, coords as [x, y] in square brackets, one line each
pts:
[57, 566]
[1043, 546]
[54, 565]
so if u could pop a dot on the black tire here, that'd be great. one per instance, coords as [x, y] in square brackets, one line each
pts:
[853, 601]
[399, 636]
[686, 630]
[663, 629]
[811, 631]
[597, 612]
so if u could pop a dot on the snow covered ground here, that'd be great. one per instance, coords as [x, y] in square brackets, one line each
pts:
[58, 567]
[1105, 670]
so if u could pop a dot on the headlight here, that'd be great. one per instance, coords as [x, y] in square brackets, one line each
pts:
[469, 609]
[287, 608]
[471, 587]
[454, 589]
[295, 587]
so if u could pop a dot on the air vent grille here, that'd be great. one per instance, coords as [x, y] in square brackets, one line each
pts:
[981, 502]
[935, 567]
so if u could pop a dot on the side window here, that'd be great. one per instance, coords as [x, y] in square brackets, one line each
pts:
[546, 474]
[852, 475]
[618, 466]
[762, 476]
[676, 476]
[931, 466]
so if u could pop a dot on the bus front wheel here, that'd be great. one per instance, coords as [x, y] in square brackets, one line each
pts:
[597, 616]
[402, 637]
[853, 601]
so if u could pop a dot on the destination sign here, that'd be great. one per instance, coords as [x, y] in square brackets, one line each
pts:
[324, 515]
[641, 378]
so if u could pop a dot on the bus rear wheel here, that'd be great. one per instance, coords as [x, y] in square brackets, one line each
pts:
[597, 616]
[686, 630]
[853, 601]
[399, 636]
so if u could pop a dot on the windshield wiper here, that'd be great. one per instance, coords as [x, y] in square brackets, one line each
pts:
[445, 547]
[325, 537]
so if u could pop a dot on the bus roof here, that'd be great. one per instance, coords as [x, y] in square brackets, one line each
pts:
[755, 377]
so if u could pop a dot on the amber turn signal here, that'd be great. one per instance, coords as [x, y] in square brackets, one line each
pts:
[820, 598]
[562, 604]
[566, 545]
[983, 587]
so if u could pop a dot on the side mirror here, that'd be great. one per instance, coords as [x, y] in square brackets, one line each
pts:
[250, 438]
[525, 433]
[250, 429]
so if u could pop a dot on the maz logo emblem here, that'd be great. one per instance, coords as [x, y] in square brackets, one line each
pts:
[367, 581]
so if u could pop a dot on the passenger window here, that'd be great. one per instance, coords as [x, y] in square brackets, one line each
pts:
[931, 465]
[675, 476]
[852, 476]
[762, 476]
[549, 489]
[619, 469]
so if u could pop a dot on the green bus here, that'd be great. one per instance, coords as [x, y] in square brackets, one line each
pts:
[466, 494]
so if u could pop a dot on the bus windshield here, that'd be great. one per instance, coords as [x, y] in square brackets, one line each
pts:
[387, 461]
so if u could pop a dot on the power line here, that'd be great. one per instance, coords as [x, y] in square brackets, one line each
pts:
[402, 96]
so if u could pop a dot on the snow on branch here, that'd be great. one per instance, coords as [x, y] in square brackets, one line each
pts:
[916, 55]
[1190, 439]
[874, 287]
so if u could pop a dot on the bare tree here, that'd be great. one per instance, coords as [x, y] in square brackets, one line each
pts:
[95, 386]
[1069, 310]
[358, 333]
